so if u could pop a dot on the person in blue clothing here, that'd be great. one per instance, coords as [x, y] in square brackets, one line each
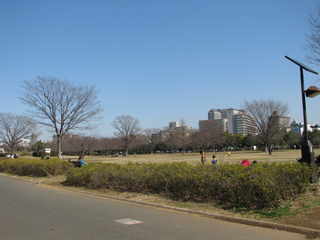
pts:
[214, 160]
[81, 160]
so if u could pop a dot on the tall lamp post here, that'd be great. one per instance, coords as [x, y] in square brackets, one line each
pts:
[306, 146]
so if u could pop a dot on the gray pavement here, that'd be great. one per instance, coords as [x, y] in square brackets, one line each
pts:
[31, 211]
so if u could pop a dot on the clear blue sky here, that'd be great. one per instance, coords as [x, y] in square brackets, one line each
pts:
[163, 60]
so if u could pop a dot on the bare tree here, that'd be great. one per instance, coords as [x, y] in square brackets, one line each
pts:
[171, 139]
[184, 135]
[13, 128]
[313, 41]
[208, 136]
[87, 144]
[127, 127]
[149, 135]
[269, 118]
[61, 106]
[106, 144]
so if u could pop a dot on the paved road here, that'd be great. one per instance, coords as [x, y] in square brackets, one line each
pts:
[30, 211]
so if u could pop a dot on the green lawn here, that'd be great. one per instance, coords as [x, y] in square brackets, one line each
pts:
[194, 158]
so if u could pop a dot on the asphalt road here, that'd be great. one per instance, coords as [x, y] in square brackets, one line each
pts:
[31, 211]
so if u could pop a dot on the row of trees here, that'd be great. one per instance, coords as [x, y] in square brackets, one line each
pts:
[142, 143]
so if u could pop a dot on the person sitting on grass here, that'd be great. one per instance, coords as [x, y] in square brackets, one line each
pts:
[81, 160]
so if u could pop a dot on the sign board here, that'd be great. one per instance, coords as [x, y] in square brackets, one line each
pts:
[47, 150]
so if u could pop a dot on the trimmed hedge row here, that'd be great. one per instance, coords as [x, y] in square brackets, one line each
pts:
[257, 186]
[34, 167]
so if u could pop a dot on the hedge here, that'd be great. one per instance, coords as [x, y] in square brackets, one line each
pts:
[257, 186]
[34, 167]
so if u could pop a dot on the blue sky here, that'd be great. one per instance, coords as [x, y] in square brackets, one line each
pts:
[163, 60]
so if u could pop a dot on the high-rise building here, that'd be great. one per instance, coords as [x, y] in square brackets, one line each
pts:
[243, 124]
[224, 114]
[33, 139]
[219, 125]
[280, 122]
[214, 114]
[228, 114]
[173, 125]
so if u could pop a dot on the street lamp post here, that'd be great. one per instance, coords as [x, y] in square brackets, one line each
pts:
[307, 153]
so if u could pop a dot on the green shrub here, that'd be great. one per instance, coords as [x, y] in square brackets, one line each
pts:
[34, 167]
[256, 186]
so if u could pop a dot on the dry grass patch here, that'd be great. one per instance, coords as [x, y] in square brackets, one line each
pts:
[194, 158]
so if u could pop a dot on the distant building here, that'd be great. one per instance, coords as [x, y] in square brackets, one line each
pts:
[299, 127]
[214, 114]
[243, 124]
[219, 125]
[237, 121]
[160, 137]
[33, 139]
[24, 142]
[283, 122]
[173, 125]
[68, 135]
[163, 135]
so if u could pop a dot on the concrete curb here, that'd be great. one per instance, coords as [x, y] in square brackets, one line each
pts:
[311, 233]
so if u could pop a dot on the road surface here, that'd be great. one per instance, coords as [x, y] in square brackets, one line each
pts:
[31, 211]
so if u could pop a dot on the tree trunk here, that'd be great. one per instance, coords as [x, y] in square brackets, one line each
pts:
[265, 147]
[12, 149]
[59, 147]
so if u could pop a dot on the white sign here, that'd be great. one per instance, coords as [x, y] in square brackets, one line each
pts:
[47, 150]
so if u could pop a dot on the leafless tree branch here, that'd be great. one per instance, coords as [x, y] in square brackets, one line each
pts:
[61, 106]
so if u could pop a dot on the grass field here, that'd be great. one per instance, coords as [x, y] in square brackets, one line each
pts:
[194, 158]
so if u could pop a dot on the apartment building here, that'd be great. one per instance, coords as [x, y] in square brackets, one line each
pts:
[217, 124]
[237, 121]
[243, 124]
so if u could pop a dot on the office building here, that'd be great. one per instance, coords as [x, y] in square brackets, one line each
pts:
[219, 125]
[243, 124]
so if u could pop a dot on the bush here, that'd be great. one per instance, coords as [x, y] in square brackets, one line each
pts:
[39, 154]
[258, 186]
[34, 167]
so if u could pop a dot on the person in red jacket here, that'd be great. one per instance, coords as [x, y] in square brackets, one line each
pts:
[245, 162]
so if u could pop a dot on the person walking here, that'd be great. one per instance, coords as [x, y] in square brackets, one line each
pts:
[270, 151]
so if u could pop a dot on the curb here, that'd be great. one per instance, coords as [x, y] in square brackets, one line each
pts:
[311, 233]
[22, 180]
